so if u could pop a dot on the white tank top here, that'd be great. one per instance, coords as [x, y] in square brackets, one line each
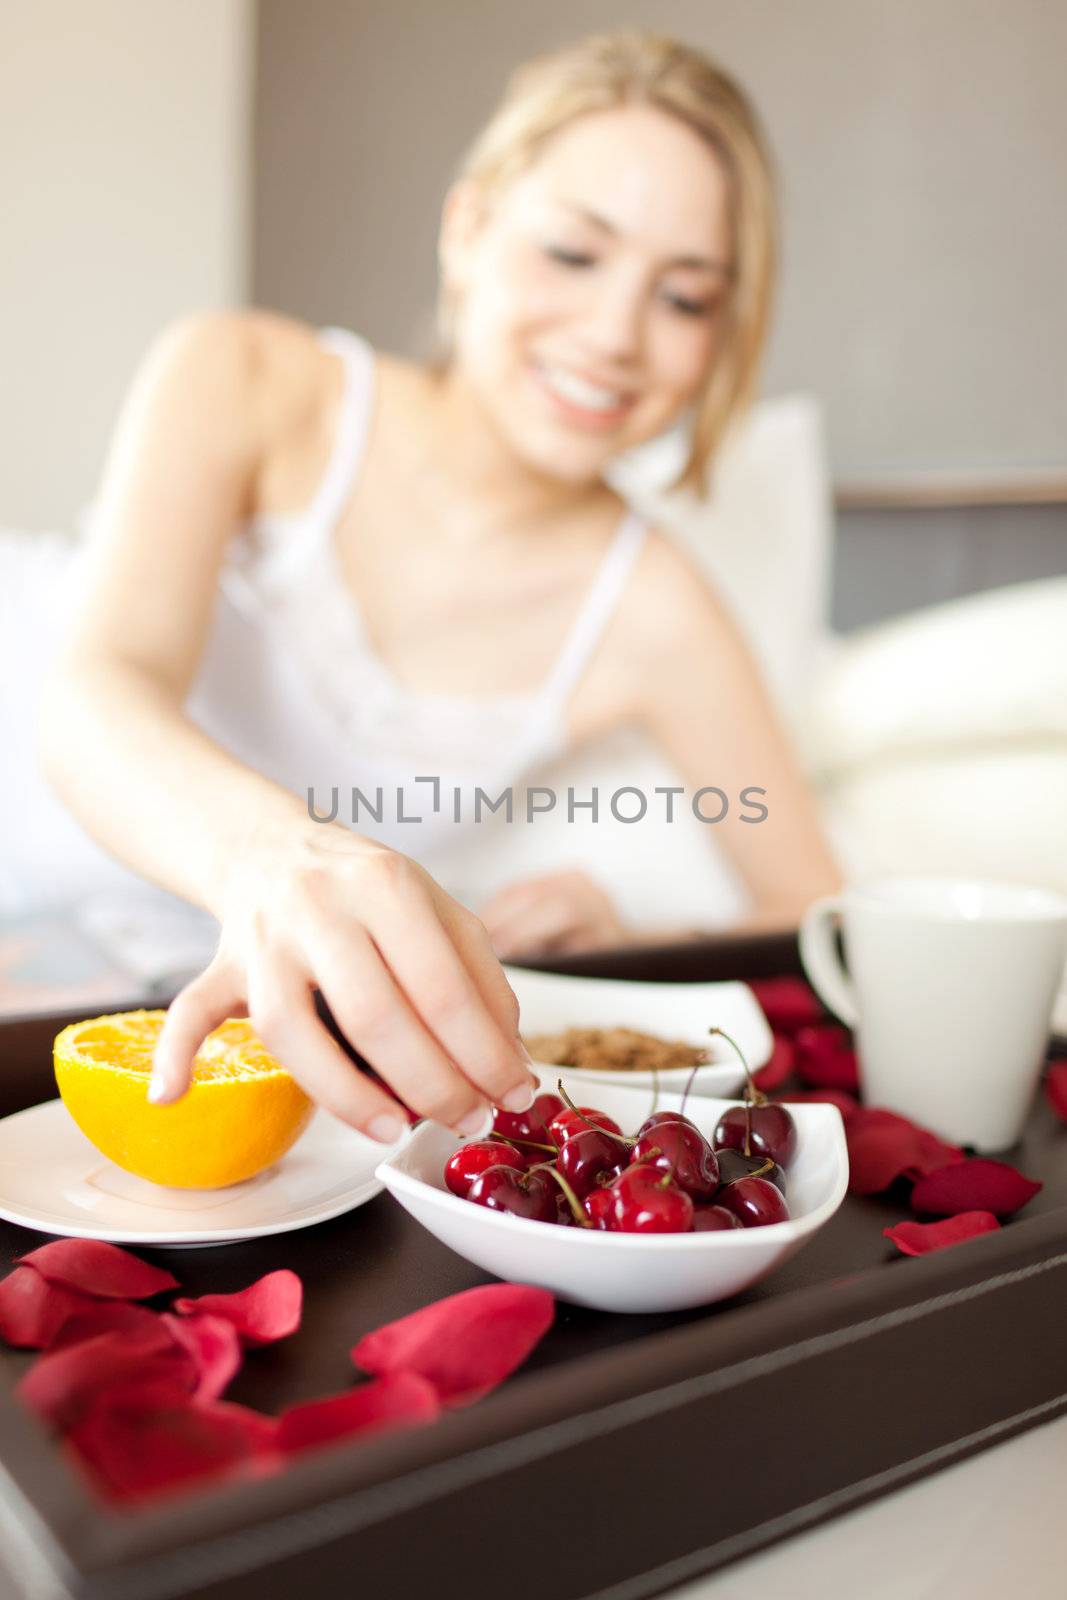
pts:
[292, 686]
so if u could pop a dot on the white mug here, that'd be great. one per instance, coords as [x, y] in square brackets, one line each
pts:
[950, 986]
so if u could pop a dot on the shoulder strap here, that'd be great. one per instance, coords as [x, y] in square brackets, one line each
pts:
[357, 398]
[597, 608]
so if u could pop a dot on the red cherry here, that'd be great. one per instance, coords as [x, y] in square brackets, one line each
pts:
[714, 1219]
[659, 1117]
[568, 1123]
[769, 1130]
[648, 1202]
[733, 1164]
[599, 1207]
[682, 1151]
[531, 1125]
[754, 1201]
[521, 1194]
[471, 1160]
[585, 1157]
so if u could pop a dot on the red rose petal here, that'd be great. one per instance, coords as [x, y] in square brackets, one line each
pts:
[883, 1146]
[787, 1003]
[1056, 1088]
[214, 1346]
[98, 1269]
[143, 1442]
[400, 1400]
[268, 1309]
[825, 1059]
[465, 1344]
[877, 1157]
[774, 1072]
[104, 1316]
[974, 1185]
[63, 1385]
[32, 1310]
[846, 1103]
[920, 1238]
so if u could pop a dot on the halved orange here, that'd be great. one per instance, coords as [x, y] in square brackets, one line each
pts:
[240, 1115]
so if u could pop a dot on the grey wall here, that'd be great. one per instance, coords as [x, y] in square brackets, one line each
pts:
[922, 146]
[891, 561]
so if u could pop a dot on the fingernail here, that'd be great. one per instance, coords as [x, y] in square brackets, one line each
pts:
[157, 1089]
[520, 1099]
[385, 1128]
[477, 1123]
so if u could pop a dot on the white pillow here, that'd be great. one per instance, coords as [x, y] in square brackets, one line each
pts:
[988, 670]
[999, 813]
[764, 535]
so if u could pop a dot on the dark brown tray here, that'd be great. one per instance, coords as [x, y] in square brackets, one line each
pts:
[630, 1454]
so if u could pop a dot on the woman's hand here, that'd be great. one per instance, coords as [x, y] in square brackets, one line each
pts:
[559, 914]
[409, 975]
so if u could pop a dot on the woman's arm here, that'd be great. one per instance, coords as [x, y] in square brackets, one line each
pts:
[408, 974]
[700, 695]
[675, 663]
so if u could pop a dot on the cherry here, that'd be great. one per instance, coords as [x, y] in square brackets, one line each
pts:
[681, 1150]
[714, 1219]
[755, 1201]
[568, 1123]
[585, 1156]
[529, 1126]
[734, 1164]
[659, 1117]
[646, 1201]
[599, 1206]
[521, 1194]
[470, 1160]
[765, 1129]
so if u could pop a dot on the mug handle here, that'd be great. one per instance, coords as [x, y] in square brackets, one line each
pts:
[821, 962]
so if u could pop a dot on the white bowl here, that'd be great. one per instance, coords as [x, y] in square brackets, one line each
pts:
[625, 1271]
[551, 1003]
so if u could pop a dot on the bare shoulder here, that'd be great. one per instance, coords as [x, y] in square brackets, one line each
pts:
[671, 603]
[264, 373]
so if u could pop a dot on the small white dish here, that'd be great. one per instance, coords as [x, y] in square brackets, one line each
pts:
[621, 1271]
[551, 1003]
[54, 1180]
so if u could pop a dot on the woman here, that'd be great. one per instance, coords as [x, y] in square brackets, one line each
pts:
[436, 556]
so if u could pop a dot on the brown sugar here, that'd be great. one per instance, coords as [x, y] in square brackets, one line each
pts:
[614, 1050]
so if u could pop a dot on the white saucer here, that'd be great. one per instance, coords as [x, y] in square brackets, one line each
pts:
[54, 1180]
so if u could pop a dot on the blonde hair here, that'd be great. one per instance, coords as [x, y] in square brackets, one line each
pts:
[609, 70]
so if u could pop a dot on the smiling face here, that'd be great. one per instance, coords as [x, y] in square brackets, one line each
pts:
[590, 293]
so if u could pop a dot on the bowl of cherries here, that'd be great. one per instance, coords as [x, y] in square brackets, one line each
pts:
[623, 1207]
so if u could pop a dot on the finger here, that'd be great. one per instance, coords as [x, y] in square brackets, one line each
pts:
[283, 1015]
[379, 1021]
[427, 966]
[471, 938]
[217, 993]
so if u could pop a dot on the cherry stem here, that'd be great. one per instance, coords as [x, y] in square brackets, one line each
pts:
[569, 1103]
[757, 1172]
[757, 1097]
[534, 1144]
[690, 1081]
[572, 1199]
